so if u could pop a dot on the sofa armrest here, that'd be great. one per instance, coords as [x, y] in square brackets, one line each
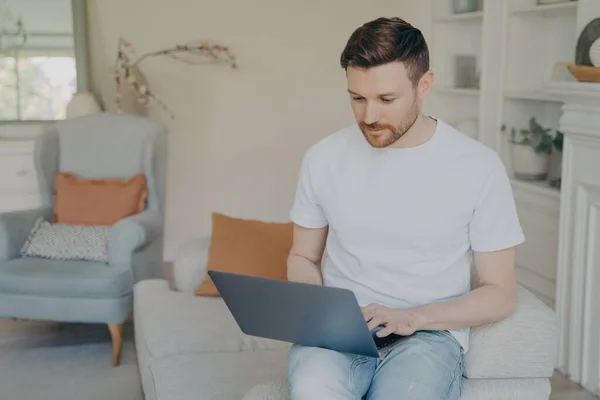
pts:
[521, 346]
[131, 233]
[189, 268]
[14, 229]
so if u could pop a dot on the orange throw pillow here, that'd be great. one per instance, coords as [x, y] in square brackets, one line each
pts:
[247, 247]
[97, 201]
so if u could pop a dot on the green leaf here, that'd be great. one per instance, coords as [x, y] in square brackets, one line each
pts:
[544, 146]
[558, 141]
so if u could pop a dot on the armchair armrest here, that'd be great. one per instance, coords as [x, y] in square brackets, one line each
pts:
[14, 229]
[521, 346]
[189, 268]
[131, 234]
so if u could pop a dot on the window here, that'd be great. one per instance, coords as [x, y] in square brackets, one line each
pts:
[36, 87]
[38, 72]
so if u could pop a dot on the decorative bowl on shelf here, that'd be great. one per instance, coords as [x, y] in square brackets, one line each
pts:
[585, 73]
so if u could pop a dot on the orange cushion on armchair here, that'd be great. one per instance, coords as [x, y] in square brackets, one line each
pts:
[97, 201]
[247, 247]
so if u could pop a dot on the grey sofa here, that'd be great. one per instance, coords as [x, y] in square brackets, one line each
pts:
[191, 348]
[95, 146]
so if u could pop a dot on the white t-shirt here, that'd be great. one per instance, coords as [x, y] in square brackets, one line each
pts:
[403, 222]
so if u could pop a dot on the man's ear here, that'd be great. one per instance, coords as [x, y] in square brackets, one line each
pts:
[425, 85]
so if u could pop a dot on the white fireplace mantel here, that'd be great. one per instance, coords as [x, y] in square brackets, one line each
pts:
[578, 274]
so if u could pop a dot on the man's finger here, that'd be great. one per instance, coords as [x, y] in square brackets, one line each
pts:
[369, 313]
[374, 323]
[388, 330]
[368, 308]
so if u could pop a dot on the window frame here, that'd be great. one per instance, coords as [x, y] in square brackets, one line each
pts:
[80, 39]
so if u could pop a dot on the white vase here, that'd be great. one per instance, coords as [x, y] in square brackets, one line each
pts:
[527, 164]
[82, 103]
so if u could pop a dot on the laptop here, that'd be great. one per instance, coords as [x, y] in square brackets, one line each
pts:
[309, 315]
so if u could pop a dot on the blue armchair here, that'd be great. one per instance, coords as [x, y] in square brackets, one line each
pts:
[96, 146]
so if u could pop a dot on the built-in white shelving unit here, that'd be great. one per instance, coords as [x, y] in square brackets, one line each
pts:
[526, 7]
[477, 15]
[459, 91]
[517, 44]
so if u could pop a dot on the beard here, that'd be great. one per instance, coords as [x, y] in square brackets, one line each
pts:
[388, 134]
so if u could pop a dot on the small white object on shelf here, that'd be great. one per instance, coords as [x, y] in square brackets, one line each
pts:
[82, 103]
[595, 53]
[527, 164]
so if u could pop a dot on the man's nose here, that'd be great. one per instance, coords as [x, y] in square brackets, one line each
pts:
[371, 114]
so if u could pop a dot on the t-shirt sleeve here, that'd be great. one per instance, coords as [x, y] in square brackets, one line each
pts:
[495, 224]
[306, 210]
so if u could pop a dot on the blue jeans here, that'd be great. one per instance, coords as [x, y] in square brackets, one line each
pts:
[428, 366]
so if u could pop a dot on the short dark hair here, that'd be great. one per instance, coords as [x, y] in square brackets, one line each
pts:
[386, 40]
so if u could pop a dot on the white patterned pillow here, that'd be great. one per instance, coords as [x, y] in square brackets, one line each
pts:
[67, 242]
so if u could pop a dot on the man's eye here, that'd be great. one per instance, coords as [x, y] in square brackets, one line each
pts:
[387, 100]
[357, 98]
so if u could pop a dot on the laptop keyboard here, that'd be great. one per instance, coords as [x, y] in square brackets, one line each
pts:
[384, 341]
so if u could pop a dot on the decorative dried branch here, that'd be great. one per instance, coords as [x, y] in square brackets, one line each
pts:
[126, 68]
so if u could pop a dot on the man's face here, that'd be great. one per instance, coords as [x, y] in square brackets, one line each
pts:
[384, 101]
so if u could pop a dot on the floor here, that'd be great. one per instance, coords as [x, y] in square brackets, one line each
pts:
[50, 361]
[563, 389]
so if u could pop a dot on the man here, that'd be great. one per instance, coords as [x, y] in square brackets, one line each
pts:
[405, 204]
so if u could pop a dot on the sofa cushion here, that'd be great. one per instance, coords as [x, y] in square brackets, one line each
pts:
[247, 247]
[521, 346]
[172, 323]
[214, 375]
[70, 279]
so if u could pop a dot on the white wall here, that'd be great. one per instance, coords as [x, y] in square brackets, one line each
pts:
[238, 136]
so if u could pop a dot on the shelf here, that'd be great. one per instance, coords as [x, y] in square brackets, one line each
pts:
[541, 187]
[531, 95]
[459, 91]
[477, 15]
[577, 92]
[553, 10]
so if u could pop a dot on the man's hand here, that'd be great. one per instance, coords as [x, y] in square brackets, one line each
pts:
[399, 321]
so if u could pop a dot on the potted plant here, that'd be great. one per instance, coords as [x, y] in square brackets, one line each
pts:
[555, 174]
[530, 151]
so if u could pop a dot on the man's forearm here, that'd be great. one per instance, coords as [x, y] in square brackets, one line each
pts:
[300, 269]
[486, 304]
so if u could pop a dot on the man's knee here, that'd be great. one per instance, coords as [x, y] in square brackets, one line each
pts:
[313, 372]
[435, 373]
[309, 365]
